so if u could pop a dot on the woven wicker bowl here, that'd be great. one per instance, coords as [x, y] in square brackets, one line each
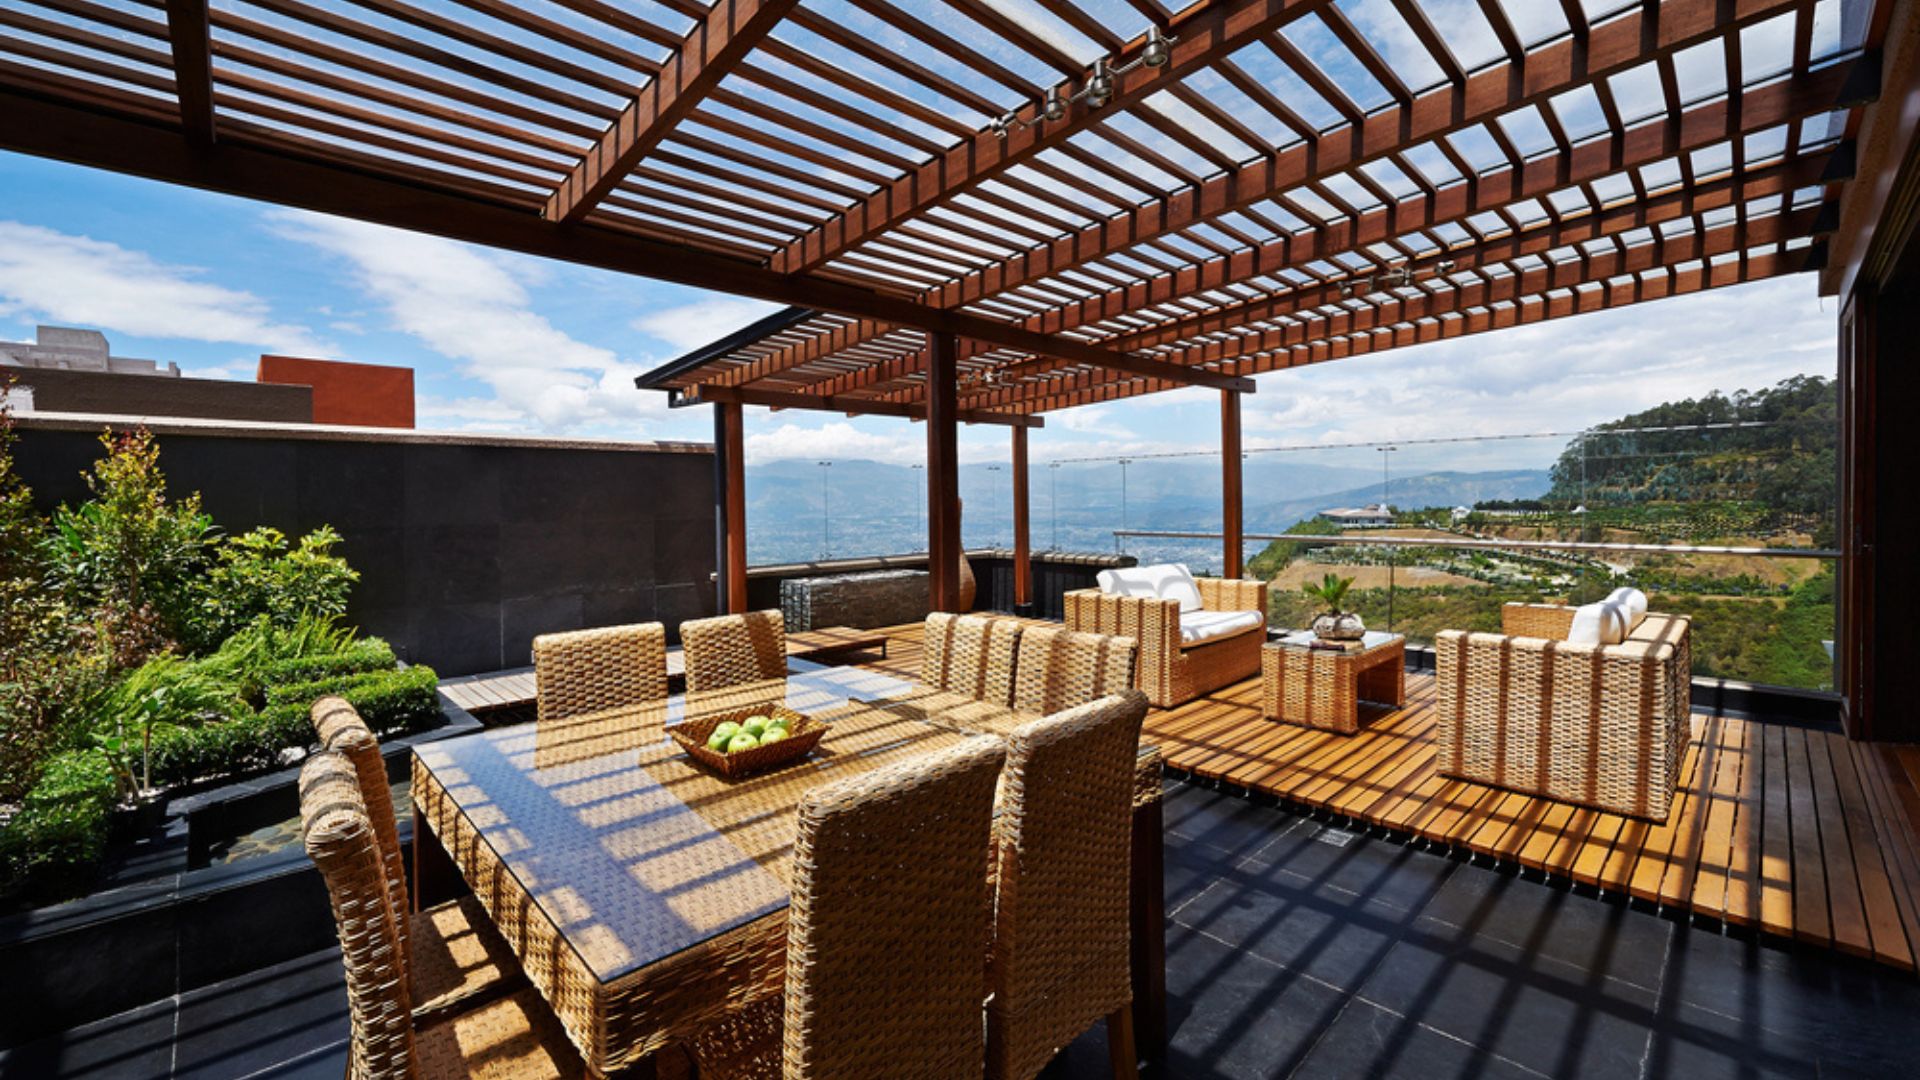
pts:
[803, 733]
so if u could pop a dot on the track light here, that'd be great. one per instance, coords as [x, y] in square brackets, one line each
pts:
[1055, 106]
[1158, 51]
[1097, 91]
[1099, 88]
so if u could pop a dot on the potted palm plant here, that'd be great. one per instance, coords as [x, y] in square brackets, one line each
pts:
[1334, 624]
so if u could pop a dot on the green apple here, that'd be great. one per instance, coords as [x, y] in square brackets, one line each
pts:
[727, 728]
[717, 742]
[780, 722]
[754, 725]
[773, 735]
[741, 741]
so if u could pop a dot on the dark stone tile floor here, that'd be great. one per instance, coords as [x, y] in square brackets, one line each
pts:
[1295, 949]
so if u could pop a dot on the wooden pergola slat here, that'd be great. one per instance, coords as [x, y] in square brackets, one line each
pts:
[191, 37]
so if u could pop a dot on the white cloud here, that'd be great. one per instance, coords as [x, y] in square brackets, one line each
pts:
[473, 306]
[689, 326]
[838, 440]
[58, 277]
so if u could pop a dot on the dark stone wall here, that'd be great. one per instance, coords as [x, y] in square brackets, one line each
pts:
[466, 548]
[56, 390]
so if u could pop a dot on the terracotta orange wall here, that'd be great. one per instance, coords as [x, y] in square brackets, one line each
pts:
[367, 395]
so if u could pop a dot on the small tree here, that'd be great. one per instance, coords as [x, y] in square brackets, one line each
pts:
[1331, 591]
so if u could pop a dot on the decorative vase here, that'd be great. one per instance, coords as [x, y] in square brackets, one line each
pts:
[1339, 626]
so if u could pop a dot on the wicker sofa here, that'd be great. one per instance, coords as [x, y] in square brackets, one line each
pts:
[1170, 672]
[1598, 725]
[979, 673]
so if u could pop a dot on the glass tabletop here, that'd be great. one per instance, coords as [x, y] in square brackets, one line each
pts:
[633, 851]
[1305, 639]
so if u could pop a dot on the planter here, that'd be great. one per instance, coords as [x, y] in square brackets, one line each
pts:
[1339, 626]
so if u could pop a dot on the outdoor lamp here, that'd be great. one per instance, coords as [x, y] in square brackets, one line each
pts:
[1157, 52]
[1099, 89]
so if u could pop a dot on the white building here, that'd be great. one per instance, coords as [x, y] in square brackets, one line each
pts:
[65, 348]
[1377, 514]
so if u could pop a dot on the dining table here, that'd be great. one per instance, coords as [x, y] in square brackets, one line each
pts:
[644, 894]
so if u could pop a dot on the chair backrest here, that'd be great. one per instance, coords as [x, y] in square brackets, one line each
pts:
[888, 928]
[733, 649]
[1063, 844]
[585, 671]
[1061, 669]
[340, 729]
[340, 839]
[970, 654]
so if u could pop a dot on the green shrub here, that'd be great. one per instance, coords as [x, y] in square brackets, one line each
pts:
[257, 576]
[249, 657]
[59, 835]
[369, 654]
[388, 700]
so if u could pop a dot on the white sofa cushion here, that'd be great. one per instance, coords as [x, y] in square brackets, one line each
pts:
[1165, 581]
[1602, 623]
[1197, 627]
[1634, 601]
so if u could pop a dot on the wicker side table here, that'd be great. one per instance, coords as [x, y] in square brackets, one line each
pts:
[1322, 688]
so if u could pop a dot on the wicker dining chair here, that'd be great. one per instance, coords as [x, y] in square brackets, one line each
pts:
[731, 649]
[608, 667]
[888, 925]
[515, 1037]
[454, 954]
[1060, 958]
[1060, 669]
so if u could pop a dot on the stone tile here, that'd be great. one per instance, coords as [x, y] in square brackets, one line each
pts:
[1608, 938]
[1228, 822]
[268, 1018]
[1550, 1017]
[1366, 1042]
[1309, 928]
[1230, 1015]
[1191, 867]
[135, 1045]
[1363, 866]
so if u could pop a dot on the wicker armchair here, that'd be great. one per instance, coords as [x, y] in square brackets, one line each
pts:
[1598, 725]
[987, 675]
[892, 857]
[732, 649]
[515, 1036]
[1169, 673]
[1062, 843]
[454, 955]
[587, 671]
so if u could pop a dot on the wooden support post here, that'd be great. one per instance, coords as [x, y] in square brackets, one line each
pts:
[943, 473]
[730, 501]
[1022, 535]
[1230, 463]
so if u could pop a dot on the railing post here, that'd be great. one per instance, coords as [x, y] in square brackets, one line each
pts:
[943, 473]
[1022, 536]
[730, 505]
[1230, 466]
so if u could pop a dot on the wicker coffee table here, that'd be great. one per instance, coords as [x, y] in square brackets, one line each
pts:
[1323, 688]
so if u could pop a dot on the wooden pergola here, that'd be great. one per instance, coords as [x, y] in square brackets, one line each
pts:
[983, 212]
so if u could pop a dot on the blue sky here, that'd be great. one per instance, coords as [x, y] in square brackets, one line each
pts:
[509, 343]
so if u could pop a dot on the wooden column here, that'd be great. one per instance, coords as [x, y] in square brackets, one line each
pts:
[730, 504]
[1230, 462]
[943, 473]
[1022, 535]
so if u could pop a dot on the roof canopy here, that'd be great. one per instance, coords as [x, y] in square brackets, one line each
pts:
[1101, 198]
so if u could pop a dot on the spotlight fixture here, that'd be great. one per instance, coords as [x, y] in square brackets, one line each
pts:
[1101, 82]
[1396, 277]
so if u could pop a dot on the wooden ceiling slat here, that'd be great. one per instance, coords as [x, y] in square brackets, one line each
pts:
[1204, 31]
[723, 39]
[191, 38]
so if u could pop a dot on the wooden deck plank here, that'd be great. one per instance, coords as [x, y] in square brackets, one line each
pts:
[1706, 883]
[1741, 901]
[1874, 861]
[1811, 920]
[1896, 836]
[1856, 881]
[1777, 885]
[1692, 836]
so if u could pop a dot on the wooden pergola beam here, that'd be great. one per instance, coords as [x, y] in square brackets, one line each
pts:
[1205, 33]
[1777, 102]
[776, 399]
[261, 163]
[190, 35]
[716, 45]
[1526, 311]
[1625, 42]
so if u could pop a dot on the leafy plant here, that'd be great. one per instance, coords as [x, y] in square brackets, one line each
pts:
[129, 554]
[59, 835]
[1330, 591]
[258, 575]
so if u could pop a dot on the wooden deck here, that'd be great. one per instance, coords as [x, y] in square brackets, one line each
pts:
[1796, 833]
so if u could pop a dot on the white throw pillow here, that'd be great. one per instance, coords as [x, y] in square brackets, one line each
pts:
[1603, 623]
[1199, 626]
[1166, 581]
[1634, 601]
